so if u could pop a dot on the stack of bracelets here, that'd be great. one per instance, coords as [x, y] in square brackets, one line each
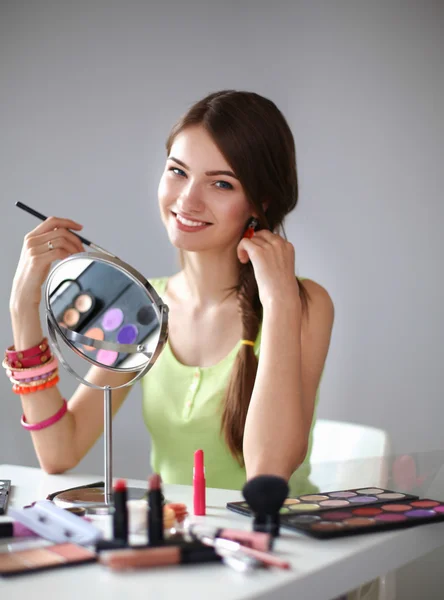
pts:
[34, 370]
[31, 370]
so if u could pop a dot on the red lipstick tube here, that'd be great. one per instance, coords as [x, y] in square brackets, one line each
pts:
[199, 484]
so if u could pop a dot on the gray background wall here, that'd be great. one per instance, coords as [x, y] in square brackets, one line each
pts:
[89, 90]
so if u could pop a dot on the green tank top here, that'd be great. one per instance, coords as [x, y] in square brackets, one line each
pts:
[181, 407]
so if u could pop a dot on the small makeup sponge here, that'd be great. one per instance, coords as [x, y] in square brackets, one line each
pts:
[265, 495]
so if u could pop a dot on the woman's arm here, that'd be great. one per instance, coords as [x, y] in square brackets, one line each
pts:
[292, 357]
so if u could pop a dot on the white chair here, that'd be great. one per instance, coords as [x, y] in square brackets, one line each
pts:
[342, 443]
[336, 445]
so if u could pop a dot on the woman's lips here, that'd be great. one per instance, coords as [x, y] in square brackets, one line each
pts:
[189, 225]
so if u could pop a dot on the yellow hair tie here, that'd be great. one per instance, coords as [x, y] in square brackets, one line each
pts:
[247, 342]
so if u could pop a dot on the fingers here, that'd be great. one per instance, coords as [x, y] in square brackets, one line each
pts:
[51, 246]
[59, 238]
[55, 223]
[263, 240]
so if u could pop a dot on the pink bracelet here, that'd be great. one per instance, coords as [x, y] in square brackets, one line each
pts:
[47, 422]
[34, 372]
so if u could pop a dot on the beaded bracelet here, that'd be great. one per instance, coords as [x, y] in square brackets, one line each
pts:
[17, 389]
[31, 384]
[24, 380]
[32, 371]
[47, 422]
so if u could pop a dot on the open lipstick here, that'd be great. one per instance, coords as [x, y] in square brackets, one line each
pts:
[155, 512]
[199, 484]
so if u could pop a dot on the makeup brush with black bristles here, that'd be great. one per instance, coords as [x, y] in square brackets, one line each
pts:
[265, 495]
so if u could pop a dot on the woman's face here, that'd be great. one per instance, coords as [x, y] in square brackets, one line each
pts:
[202, 203]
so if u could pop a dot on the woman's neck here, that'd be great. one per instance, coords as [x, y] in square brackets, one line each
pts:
[207, 279]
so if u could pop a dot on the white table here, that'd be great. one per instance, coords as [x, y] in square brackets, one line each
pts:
[321, 569]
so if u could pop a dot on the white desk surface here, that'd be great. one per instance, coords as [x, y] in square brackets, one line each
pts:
[321, 569]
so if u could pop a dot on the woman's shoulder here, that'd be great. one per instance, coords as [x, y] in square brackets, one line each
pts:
[319, 299]
[315, 289]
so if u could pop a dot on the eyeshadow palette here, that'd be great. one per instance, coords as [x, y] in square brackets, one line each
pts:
[21, 562]
[368, 519]
[101, 304]
[126, 320]
[76, 313]
[348, 512]
[342, 499]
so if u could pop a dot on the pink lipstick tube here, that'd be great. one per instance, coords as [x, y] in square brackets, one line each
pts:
[199, 484]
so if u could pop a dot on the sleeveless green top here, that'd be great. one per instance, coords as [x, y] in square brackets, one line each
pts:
[181, 407]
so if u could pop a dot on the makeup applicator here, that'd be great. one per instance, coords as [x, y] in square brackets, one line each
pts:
[265, 495]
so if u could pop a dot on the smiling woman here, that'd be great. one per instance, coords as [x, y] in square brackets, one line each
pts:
[248, 340]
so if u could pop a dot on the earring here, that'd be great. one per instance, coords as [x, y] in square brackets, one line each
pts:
[252, 225]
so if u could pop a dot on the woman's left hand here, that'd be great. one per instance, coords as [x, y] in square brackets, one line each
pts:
[273, 260]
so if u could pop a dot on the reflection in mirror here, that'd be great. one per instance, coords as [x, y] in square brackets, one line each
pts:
[103, 313]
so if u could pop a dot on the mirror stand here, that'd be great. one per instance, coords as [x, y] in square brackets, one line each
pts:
[100, 499]
[117, 290]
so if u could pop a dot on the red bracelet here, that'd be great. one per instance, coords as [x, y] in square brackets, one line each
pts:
[17, 389]
[13, 355]
[47, 422]
[33, 361]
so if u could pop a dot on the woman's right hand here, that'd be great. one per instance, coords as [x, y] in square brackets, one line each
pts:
[48, 242]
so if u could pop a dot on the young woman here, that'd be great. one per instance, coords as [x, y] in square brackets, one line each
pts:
[248, 340]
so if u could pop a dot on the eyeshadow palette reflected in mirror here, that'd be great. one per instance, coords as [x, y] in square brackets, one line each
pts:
[127, 320]
[103, 304]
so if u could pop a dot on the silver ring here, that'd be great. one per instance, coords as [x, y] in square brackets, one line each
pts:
[50, 245]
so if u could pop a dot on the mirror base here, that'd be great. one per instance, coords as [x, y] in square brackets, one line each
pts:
[92, 497]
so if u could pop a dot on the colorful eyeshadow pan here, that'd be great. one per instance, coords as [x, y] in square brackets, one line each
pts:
[364, 511]
[107, 357]
[96, 334]
[307, 507]
[390, 518]
[112, 319]
[334, 503]
[396, 507]
[393, 496]
[313, 497]
[337, 515]
[363, 499]
[425, 503]
[83, 302]
[304, 519]
[71, 317]
[128, 334]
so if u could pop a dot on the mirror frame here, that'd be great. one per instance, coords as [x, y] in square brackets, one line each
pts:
[54, 329]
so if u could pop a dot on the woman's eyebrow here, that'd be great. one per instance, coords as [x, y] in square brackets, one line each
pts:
[209, 173]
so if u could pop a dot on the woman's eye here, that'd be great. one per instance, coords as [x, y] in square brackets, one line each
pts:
[177, 171]
[224, 185]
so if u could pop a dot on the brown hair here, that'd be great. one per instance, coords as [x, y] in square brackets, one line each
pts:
[255, 139]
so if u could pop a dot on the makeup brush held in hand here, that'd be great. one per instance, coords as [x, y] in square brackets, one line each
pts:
[265, 495]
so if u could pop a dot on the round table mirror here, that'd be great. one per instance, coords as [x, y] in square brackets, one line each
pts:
[102, 312]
